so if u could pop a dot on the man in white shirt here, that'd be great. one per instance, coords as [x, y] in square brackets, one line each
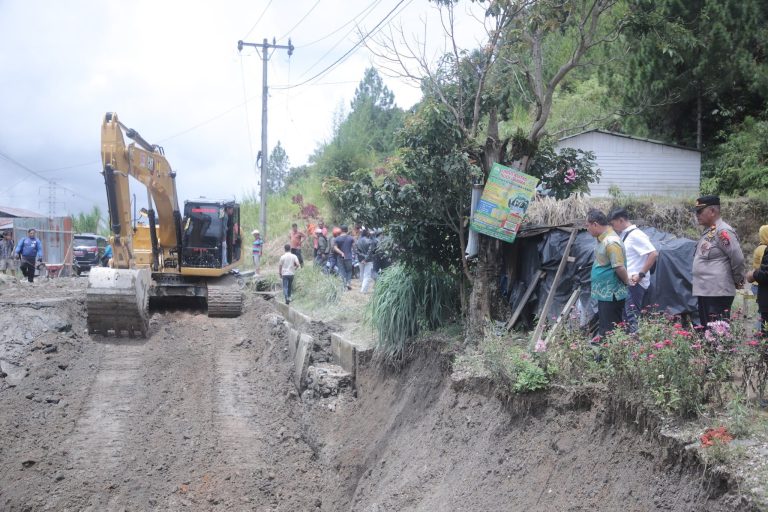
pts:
[287, 267]
[641, 255]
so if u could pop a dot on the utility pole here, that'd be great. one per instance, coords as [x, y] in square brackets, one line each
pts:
[265, 47]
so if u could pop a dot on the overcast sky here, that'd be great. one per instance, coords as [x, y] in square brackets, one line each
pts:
[171, 70]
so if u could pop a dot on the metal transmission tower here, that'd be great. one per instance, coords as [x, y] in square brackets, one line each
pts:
[265, 47]
[52, 202]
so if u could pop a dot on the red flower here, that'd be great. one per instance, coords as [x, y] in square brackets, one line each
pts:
[711, 436]
[753, 343]
[678, 326]
[667, 343]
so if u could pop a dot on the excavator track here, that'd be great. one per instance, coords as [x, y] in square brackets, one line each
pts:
[225, 300]
[117, 300]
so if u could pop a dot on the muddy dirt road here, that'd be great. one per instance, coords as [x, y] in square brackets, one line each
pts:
[198, 416]
[203, 415]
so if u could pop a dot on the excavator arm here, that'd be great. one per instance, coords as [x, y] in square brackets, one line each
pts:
[147, 164]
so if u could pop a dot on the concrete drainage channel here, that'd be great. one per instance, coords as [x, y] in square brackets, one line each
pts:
[323, 378]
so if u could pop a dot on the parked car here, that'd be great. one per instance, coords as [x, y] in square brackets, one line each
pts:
[87, 250]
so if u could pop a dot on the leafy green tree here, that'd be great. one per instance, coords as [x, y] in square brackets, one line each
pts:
[478, 90]
[702, 62]
[367, 134]
[277, 169]
[740, 164]
[87, 222]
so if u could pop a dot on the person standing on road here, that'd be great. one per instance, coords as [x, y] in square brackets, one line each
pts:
[343, 247]
[609, 272]
[296, 237]
[366, 247]
[641, 255]
[29, 250]
[7, 264]
[287, 267]
[718, 264]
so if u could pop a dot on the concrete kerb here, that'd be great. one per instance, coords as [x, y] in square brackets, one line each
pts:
[346, 353]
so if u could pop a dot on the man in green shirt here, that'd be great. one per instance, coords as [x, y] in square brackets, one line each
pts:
[609, 272]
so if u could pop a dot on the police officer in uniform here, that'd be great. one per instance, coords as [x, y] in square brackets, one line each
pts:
[718, 265]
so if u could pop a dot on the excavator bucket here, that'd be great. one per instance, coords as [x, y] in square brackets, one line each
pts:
[117, 301]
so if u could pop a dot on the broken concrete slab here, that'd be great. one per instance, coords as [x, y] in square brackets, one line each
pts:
[349, 354]
[301, 360]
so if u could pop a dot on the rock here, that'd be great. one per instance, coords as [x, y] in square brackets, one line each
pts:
[58, 477]
[63, 366]
[50, 350]
[52, 400]
[28, 462]
[29, 396]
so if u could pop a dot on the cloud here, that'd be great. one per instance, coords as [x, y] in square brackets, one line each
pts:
[172, 71]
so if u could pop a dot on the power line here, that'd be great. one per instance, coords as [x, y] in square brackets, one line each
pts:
[341, 39]
[350, 51]
[299, 22]
[369, 8]
[37, 174]
[258, 19]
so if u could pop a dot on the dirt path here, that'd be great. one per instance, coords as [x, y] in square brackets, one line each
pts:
[199, 416]
[203, 415]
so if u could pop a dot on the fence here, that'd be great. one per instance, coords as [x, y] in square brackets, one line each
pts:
[56, 236]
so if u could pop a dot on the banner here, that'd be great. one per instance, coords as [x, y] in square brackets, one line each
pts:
[505, 199]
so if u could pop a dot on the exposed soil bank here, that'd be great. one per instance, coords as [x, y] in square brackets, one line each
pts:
[421, 440]
[203, 415]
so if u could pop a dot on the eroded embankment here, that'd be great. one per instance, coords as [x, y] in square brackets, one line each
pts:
[422, 440]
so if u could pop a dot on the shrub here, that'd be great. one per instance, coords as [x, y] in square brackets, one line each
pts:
[512, 366]
[407, 300]
[681, 370]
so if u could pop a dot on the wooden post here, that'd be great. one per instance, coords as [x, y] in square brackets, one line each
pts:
[551, 295]
[518, 311]
[563, 315]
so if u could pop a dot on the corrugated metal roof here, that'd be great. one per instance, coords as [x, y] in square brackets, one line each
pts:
[616, 134]
[9, 211]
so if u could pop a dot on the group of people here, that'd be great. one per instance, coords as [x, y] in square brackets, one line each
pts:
[624, 257]
[28, 252]
[338, 253]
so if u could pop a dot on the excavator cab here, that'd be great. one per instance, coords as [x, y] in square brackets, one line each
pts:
[211, 234]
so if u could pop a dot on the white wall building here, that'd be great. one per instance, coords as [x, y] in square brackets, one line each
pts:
[639, 166]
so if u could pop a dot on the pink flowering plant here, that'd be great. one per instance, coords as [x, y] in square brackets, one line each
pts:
[680, 369]
[564, 172]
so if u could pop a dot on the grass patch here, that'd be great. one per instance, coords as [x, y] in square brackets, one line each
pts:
[315, 290]
[407, 301]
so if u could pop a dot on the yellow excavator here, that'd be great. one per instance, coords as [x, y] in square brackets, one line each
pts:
[176, 255]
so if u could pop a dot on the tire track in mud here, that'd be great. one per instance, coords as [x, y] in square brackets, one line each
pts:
[98, 444]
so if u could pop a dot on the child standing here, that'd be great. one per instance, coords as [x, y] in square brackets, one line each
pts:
[258, 243]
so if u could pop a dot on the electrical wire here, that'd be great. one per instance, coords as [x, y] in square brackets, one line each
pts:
[328, 52]
[348, 52]
[299, 22]
[369, 8]
[257, 20]
[37, 174]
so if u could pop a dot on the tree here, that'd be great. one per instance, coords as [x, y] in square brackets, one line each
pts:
[476, 88]
[702, 61]
[277, 169]
[87, 222]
